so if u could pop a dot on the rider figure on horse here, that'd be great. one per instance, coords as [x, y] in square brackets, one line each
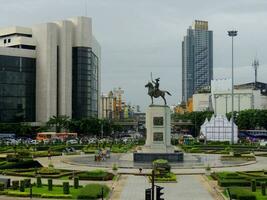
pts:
[156, 84]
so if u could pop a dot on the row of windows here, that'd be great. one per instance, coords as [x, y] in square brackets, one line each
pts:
[84, 83]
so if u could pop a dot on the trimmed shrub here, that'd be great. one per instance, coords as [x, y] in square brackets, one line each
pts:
[66, 188]
[21, 186]
[233, 182]
[48, 171]
[263, 189]
[57, 196]
[21, 164]
[253, 186]
[15, 185]
[93, 191]
[38, 181]
[97, 175]
[76, 182]
[27, 183]
[50, 184]
[242, 194]
[2, 186]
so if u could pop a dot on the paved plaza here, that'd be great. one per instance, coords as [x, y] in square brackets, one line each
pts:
[188, 187]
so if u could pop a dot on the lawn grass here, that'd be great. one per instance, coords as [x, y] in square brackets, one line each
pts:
[93, 190]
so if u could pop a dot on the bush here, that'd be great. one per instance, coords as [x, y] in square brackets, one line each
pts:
[169, 177]
[24, 164]
[15, 185]
[21, 186]
[93, 191]
[233, 182]
[57, 196]
[76, 182]
[99, 175]
[50, 184]
[263, 189]
[114, 167]
[253, 186]
[48, 171]
[66, 188]
[27, 183]
[241, 194]
[38, 181]
[2, 186]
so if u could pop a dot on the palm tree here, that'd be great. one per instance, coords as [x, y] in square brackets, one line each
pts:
[59, 122]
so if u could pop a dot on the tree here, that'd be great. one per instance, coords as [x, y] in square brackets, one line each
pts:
[59, 122]
[196, 118]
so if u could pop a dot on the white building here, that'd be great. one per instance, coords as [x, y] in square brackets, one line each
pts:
[108, 105]
[246, 96]
[67, 61]
[219, 128]
[202, 102]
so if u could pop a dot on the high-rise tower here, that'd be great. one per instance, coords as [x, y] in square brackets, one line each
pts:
[197, 59]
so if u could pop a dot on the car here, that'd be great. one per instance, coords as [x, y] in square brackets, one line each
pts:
[72, 142]
[34, 142]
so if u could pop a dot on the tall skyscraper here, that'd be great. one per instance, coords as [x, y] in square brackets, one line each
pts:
[197, 59]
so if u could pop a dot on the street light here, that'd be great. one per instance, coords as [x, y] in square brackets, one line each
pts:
[232, 34]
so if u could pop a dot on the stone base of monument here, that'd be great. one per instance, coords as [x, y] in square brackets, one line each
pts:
[150, 157]
[158, 137]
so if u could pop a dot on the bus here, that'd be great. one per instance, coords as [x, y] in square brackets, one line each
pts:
[254, 134]
[53, 135]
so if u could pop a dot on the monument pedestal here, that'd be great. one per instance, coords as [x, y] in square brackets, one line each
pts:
[158, 136]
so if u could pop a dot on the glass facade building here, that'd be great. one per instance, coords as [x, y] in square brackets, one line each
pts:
[17, 89]
[197, 59]
[84, 83]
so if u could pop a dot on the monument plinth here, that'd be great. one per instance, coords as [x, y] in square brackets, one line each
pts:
[158, 126]
[158, 137]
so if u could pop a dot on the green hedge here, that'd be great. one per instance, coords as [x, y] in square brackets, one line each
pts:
[66, 188]
[56, 196]
[21, 164]
[15, 185]
[233, 182]
[99, 175]
[2, 186]
[93, 191]
[242, 194]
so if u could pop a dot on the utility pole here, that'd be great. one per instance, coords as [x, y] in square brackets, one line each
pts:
[232, 34]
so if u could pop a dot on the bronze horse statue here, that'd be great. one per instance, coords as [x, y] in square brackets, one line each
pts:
[152, 92]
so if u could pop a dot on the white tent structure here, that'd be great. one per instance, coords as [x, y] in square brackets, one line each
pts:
[219, 128]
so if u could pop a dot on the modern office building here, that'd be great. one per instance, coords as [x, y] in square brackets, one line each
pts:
[49, 69]
[197, 59]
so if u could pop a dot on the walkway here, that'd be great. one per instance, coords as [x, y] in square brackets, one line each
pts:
[188, 187]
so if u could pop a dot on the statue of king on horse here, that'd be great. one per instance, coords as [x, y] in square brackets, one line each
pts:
[154, 91]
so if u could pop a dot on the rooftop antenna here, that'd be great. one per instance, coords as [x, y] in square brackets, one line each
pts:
[255, 65]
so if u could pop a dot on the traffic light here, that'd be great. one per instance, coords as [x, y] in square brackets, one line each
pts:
[148, 194]
[159, 193]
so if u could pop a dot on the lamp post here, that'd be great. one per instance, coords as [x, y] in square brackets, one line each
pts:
[232, 34]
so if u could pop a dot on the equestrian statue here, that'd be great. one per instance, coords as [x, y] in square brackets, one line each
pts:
[154, 91]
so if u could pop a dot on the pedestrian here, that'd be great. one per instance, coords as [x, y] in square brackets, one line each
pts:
[140, 170]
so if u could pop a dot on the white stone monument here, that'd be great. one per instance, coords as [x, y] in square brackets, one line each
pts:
[158, 128]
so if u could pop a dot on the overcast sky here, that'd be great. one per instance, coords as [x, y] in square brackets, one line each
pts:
[142, 36]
